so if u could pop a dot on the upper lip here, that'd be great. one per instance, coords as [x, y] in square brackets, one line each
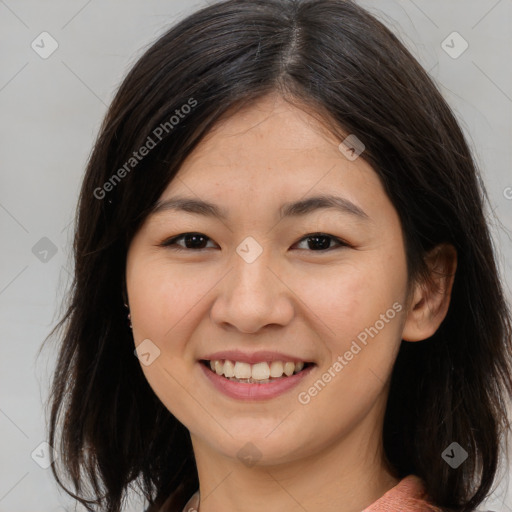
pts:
[254, 357]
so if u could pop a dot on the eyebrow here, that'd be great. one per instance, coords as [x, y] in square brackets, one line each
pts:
[292, 209]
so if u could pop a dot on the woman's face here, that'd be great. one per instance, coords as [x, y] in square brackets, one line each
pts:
[257, 289]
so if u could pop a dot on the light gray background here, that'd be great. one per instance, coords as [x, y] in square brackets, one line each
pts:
[51, 110]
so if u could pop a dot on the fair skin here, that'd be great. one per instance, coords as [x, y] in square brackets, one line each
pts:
[295, 298]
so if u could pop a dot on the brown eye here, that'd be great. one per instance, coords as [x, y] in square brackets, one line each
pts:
[316, 242]
[320, 242]
[192, 241]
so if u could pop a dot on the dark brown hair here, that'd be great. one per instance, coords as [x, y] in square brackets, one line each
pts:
[332, 58]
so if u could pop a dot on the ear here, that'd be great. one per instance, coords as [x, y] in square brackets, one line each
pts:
[430, 301]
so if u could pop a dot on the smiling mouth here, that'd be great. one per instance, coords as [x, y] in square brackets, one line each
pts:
[258, 373]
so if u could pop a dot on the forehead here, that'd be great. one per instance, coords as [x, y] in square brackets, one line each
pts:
[272, 153]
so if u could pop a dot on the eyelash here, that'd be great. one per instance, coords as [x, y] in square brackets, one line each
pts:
[171, 242]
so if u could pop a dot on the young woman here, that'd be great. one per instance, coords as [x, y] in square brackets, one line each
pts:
[285, 291]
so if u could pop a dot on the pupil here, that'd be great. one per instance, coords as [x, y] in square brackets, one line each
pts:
[195, 242]
[324, 245]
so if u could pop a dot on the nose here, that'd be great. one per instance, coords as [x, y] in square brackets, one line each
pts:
[252, 296]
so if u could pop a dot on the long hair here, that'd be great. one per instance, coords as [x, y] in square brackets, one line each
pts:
[334, 59]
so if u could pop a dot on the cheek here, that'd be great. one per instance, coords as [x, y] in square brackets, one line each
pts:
[361, 305]
[351, 296]
[163, 297]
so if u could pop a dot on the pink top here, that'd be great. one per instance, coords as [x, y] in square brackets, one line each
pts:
[407, 496]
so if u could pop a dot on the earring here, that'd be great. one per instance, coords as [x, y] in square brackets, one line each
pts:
[129, 315]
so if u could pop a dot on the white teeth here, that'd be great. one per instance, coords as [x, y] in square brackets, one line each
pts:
[261, 372]
[219, 367]
[242, 370]
[289, 368]
[229, 369]
[276, 369]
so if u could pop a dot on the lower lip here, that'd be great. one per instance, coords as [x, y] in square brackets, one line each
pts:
[246, 391]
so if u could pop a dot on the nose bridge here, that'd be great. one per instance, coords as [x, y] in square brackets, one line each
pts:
[252, 279]
[252, 295]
